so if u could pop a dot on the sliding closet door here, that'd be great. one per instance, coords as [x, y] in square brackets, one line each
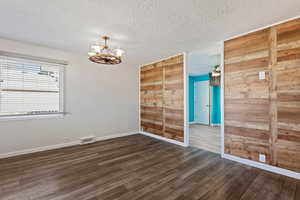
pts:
[151, 99]
[262, 116]
[162, 98]
[287, 95]
[247, 99]
[174, 98]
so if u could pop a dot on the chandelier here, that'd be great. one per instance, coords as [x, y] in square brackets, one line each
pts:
[215, 76]
[216, 71]
[102, 54]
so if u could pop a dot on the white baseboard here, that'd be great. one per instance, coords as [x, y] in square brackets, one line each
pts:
[215, 124]
[163, 138]
[38, 149]
[263, 166]
[58, 146]
[116, 136]
[192, 122]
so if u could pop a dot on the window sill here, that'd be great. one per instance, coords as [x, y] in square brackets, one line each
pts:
[32, 117]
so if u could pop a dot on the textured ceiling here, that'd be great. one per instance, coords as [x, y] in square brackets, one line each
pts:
[146, 29]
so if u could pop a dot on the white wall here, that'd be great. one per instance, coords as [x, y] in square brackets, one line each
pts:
[101, 101]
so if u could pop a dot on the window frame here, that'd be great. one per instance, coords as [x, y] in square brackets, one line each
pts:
[61, 114]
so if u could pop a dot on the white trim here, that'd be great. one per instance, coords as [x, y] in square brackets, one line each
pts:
[32, 58]
[139, 94]
[202, 124]
[58, 146]
[31, 117]
[62, 76]
[186, 100]
[210, 102]
[163, 138]
[193, 122]
[107, 137]
[263, 166]
[38, 149]
[222, 101]
[261, 28]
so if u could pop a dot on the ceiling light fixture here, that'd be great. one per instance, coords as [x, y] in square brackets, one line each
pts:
[102, 54]
[216, 71]
[215, 76]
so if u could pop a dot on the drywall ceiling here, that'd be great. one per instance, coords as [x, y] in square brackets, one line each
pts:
[147, 29]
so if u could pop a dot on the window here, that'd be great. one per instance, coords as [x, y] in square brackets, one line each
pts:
[30, 88]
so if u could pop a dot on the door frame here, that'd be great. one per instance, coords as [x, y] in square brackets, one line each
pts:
[210, 109]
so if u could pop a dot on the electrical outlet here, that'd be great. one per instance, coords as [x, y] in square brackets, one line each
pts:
[262, 75]
[262, 158]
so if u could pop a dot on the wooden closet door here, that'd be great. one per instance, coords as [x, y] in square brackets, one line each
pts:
[151, 98]
[173, 96]
[162, 98]
[246, 98]
[263, 116]
[287, 77]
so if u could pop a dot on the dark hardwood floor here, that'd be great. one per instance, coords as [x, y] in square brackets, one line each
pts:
[137, 167]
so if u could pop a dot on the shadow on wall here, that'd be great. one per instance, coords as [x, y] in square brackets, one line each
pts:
[215, 99]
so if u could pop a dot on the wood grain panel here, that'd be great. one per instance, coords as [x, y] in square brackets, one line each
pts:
[247, 131]
[288, 88]
[162, 98]
[151, 94]
[263, 116]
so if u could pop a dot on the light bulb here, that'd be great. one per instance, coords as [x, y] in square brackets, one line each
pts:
[91, 53]
[96, 48]
[214, 74]
[119, 52]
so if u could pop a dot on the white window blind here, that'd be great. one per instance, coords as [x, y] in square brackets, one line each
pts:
[30, 87]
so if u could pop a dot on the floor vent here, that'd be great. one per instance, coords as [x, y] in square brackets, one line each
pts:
[87, 140]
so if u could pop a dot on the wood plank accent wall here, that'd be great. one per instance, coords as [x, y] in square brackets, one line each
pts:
[162, 98]
[263, 116]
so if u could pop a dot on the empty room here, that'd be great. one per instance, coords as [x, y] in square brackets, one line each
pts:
[150, 100]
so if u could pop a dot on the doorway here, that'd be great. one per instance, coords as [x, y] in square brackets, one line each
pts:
[204, 100]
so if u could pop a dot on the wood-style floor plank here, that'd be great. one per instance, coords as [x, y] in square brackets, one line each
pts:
[297, 194]
[137, 167]
[205, 137]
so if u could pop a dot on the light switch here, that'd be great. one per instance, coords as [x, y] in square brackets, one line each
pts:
[262, 75]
